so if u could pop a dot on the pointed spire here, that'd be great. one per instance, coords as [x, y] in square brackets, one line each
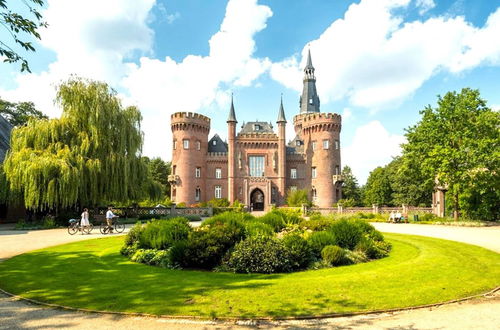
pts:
[309, 64]
[232, 115]
[281, 114]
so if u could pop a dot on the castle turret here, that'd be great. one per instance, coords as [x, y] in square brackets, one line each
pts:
[190, 143]
[309, 100]
[231, 153]
[281, 151]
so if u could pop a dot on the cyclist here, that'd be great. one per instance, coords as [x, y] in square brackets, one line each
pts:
[109, 219]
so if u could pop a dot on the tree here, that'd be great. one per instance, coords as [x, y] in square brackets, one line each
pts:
[19, 27]
[159, 171]
[457, 142]
[297, 198]
[89, 156]
[18, 114]
[378, 188]
[350, 189]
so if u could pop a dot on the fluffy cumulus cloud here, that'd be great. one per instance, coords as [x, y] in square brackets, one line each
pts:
[161, 87]
[371, 146]
[375, 59]
[87, 42]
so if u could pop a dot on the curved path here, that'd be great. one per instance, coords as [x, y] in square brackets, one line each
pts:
[483, 313]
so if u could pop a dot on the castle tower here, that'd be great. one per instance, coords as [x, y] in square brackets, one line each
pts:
[309, 100]
[281, 151]
[231, 153]
[189, 157]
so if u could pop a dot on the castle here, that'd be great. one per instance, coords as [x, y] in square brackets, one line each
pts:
[256, 166]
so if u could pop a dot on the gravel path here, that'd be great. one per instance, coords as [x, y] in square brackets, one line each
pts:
[481, 313]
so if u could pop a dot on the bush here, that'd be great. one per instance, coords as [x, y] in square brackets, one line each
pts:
[256, 228]
[356, 257]
[316, 224]
[275, 220]
[206, 247]
[300, 254]
[318, 240]
[297, 198]
[144, 256]
[290, 216]
[334, 255]
[373, 250]
[177, 253]
[347, 233]
[259, 255]
[162, 259]
[232, 218]
[128, 250]
[134, 234]
[162, 234]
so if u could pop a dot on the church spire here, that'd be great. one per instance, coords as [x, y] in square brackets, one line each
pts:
[281, 114]
[232, 115]
[309, 101]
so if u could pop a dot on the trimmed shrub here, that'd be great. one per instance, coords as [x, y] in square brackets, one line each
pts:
[259, 255]
[256, 228]
[373, 250]
[347, 233]
[300, 254]
[316, 224]
[162, 234]
[376, 236]
[177, 253]
[206, 247]
[318, 240]
[232, 218]
[134, 234]
[362, 225]
[334, 255]
[273, 219]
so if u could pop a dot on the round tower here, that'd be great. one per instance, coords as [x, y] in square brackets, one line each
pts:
[321, 135]
[189, 156]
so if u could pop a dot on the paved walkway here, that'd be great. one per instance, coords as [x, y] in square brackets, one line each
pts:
[481, 313]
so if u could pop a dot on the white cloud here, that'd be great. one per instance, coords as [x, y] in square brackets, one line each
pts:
[425, 5]
[375, 60]
[161, 87]
[371, 146]
[346, 115]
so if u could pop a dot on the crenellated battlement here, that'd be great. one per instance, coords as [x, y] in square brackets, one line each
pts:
[318, 121]
[188, 121]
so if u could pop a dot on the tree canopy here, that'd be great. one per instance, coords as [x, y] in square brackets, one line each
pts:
[378, 188]
[159, 171]
[351, 192]
[19, 28]
[458, 145]
[88, 156]
[19, 113]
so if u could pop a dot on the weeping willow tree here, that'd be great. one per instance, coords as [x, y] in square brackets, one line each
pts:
[88, 156]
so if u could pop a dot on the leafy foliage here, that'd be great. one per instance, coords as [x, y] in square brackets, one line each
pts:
[87, 156]
[319, 239]
[18, 114]
[18, 25]
[351, 192]
[162, 234]
[334, 255]
[347, 233]
[297, 198]
[299, 252]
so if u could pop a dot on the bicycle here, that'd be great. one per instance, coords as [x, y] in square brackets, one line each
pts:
[116, 225]
[74, 227]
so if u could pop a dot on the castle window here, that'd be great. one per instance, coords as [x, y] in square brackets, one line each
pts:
[336, 144]
[313, 172]
[314, 194]
[256, 165]
[175, 144]
[185, 143]
[198, 145]
[310, 101]
[218, 173]
[337, 170]
[293, 188]
[214, 142]
[173, 169]
[313, 145]
[293, 173]
[326, 144]
[256, 127]
[197, 173]
[297, 143]
[218, 192]
[197, 194]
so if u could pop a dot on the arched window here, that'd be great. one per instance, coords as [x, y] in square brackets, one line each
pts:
[197, 194]
[314, 194]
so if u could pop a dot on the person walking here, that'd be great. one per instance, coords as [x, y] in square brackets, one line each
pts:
[84, 223]
[109, 219]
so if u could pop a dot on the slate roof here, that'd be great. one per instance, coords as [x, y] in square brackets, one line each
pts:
[256, 127]
[294, 147]
[216, 144]
[5, 129]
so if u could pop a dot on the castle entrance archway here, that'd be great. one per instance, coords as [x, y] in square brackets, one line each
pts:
[257, 200]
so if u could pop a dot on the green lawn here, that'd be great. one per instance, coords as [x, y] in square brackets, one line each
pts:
[93, 275]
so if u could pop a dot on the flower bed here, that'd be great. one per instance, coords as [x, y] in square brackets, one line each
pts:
[280, 241]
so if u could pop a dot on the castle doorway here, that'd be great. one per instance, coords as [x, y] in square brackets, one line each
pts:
[257, 200]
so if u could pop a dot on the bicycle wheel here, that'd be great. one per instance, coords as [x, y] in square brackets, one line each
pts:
[88, 229]
[119, 227]
[103, 228]
[72, 229]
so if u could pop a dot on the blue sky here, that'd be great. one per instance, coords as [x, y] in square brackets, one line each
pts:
[378, 62]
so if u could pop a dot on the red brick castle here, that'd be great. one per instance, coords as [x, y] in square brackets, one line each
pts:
[256, 166]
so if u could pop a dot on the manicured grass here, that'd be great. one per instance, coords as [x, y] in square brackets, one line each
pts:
[93, 275]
